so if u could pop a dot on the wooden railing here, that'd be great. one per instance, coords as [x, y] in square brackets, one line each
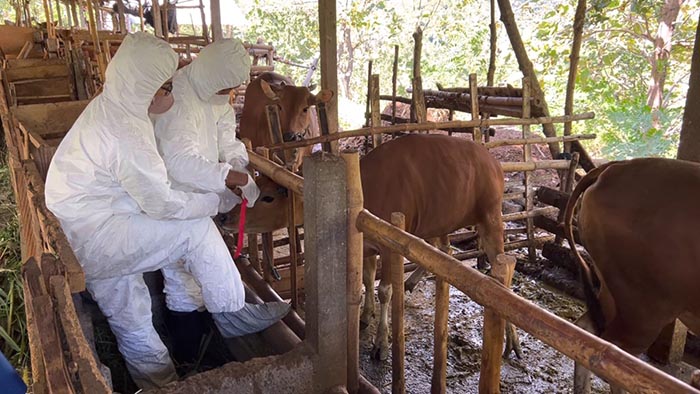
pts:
[604, 359]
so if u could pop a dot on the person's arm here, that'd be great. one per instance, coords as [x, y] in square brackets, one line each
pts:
[231, 149]
[141, 172]
[177, 142]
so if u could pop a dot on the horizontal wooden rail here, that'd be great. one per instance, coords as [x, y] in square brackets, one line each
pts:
[430, 126]
[603, 358]
[513, 166]
[277, 173]
[538, 140]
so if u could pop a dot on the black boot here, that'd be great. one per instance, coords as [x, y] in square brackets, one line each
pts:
[186, 332]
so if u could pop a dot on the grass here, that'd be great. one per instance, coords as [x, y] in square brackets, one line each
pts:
[14, 342]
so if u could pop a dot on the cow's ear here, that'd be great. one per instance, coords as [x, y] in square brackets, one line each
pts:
[324, 96]
[267, 89]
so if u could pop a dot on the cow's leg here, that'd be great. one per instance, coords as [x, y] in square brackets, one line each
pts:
[381, 341]
[491, 236]
[582, 376]
[369, 272]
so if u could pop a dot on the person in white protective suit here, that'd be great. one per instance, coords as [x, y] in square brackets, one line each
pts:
[196, 139]
[109, 188]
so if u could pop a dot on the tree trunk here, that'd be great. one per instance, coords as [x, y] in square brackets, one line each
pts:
[689, 147]
[579, 19]
[492, 41]
[659, 59]
[525, 65]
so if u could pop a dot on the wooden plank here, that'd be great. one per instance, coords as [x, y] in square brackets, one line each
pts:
[16, 63]
[51, 118]
[398, 338]
[46, 330]
[38, 72]
[329, 61]
[440, 338]
[46, 89]
[90, 377]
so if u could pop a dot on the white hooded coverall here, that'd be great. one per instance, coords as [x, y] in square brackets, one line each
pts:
[109, 188]
[196, 138]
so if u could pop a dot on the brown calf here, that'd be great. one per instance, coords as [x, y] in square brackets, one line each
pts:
[439, 183]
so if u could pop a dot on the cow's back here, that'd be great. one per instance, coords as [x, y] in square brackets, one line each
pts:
[637, 222]
[439, 182]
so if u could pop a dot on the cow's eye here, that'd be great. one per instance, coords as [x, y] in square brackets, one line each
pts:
[306, 109]
[267, 199]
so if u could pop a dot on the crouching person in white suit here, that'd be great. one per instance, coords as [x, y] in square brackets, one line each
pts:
[109, 188]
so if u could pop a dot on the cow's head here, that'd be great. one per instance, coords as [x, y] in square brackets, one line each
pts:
[294, 104]
[271, 210]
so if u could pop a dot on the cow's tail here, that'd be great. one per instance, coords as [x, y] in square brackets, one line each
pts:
[594, 308]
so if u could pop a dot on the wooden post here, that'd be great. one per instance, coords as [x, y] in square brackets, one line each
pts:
[217, 34]
[354, 268]
[473, 92]
[157, 21]
[394, 75]
[141, 15]
[267, 241]
[205, 30]
[322, 114]
[375, 114]
[494, 330]
[398, 346]
[164, 12]
[96, 40]
[527, 176]
[329, 61]
[669, 347]
[293, 252]
[369, 94]
[418, 111]
[442, 312]
[77, 22]
[567, 185]
[122, 17]
[326, 234]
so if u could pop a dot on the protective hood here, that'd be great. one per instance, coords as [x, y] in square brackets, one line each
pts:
[141, 65]
[220, 65]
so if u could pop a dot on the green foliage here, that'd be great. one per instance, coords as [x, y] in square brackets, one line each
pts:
[13, 331]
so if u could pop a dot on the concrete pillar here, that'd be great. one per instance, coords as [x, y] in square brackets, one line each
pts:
[325, 239]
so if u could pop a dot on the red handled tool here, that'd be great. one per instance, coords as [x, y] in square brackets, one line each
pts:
[241, 228]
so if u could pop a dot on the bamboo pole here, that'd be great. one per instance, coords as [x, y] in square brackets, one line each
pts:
[492, 45]
[354, 267]
[535, 165]
[92, 24]
[579, 18]
[567, 186]
[494, 330]
[369, 93]
[277, 173]
[418, 110]
[604, 359]
[429, 126]
[474, 105]
[394, 76]
[293, 252]
[398, 346]
[528, 214]
[442, 312]
[538, 140]
[140, 3]
[375, 111]
[527, 177]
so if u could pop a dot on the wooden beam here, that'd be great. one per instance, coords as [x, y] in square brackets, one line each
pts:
[329, 61]
[216, 30]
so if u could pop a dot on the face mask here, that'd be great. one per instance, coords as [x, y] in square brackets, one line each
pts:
[161, 104]
[219, 99]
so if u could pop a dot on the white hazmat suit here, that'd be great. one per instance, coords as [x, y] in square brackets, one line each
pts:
[109, 188]
[196, 138]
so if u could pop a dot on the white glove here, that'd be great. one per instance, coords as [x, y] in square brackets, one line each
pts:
[227, 200]
[239, 164]
[251, 192]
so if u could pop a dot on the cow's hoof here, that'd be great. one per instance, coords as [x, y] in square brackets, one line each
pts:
[380, 353]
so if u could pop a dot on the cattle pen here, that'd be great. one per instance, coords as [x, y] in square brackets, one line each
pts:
[315, 349]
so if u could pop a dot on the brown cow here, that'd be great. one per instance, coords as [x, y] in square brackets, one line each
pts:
[294, 103]
[439, 183]
[637, 221]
